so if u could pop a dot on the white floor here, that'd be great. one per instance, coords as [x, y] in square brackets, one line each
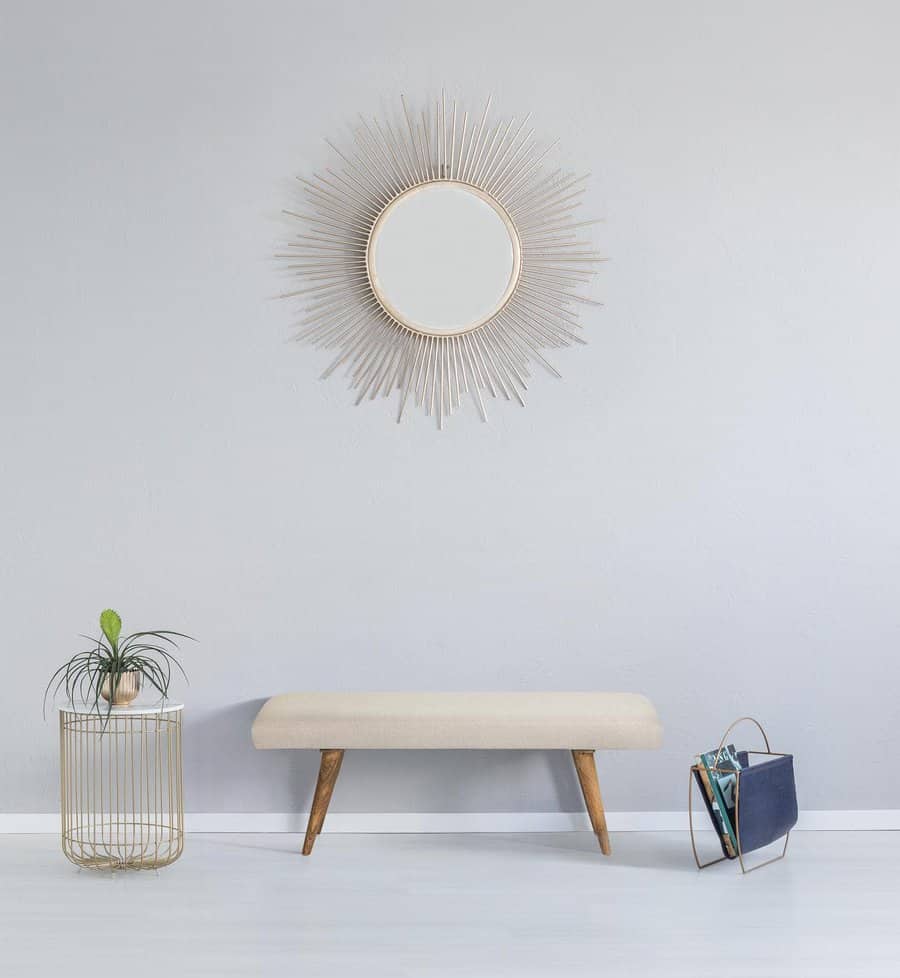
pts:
[460, 905]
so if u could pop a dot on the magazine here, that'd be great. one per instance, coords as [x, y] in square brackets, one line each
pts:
[718, 825]
[719, 771]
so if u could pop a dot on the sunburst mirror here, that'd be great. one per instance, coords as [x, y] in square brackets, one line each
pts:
[440, 257]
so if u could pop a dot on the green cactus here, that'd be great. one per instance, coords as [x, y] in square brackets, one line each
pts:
[111, 624]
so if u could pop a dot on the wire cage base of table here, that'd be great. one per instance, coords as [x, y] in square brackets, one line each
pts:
[121, 786]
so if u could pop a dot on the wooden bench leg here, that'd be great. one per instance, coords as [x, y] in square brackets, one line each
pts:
[329, 768]
[590, 788]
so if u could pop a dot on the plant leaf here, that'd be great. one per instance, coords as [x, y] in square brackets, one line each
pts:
[167, 656]
[163, 634]
[111, 624]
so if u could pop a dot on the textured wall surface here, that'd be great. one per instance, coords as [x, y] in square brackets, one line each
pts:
[704, 509]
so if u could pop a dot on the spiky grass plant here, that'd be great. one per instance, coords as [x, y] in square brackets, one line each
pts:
[112, 656]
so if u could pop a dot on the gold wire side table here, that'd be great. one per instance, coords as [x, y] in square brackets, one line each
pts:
[121, 788]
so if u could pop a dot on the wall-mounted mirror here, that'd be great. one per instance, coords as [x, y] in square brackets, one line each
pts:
[443, 258]
[439, 259]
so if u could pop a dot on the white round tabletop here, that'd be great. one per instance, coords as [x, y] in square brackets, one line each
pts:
[133, 710]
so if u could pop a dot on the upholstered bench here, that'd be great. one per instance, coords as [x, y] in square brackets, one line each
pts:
[578, 722]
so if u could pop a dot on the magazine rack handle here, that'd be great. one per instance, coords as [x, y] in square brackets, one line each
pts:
[736, 722]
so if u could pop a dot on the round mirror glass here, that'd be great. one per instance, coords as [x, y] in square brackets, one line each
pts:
[443, 258]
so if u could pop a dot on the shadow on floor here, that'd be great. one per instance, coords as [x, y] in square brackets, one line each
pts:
[641, 850]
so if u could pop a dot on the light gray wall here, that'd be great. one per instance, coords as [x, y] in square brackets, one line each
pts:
[704, 509]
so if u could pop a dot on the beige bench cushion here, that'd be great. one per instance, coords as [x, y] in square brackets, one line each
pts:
[501, 721]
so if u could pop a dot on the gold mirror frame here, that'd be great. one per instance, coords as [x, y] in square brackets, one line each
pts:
[514, 241]
[344, 309]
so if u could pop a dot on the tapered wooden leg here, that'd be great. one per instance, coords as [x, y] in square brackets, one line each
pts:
[329, 768]
[590, 788]
[334, 778]
[337, 771]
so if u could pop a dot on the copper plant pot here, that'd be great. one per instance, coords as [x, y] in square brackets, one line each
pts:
[127, 690]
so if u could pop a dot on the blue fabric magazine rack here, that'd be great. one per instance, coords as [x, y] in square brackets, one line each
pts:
[765, 801]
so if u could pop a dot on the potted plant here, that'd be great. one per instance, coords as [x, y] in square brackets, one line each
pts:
[115, 667]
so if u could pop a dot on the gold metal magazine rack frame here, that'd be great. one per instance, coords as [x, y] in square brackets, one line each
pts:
[696, 767]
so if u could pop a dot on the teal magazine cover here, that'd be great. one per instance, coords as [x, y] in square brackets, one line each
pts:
[723, 781]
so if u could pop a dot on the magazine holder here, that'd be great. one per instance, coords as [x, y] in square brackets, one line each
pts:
[765, 800]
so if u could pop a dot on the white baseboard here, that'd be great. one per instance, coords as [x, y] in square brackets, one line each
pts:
[886, 819]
